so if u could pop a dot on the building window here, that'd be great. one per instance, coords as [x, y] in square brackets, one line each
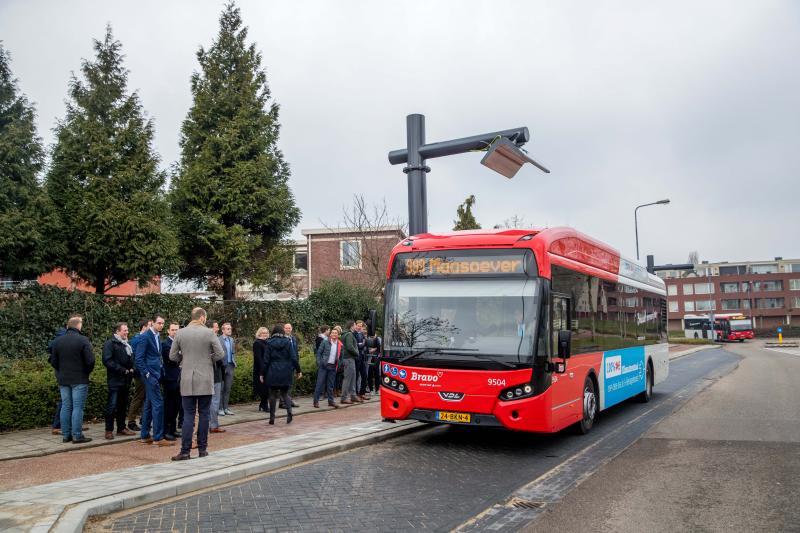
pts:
[745, 286]
[704, 305]
[688, 306]
[794, 284]
[704, 288]
[729, 287]
[793, 267]
[769, 303]
[797, 302]
[730, 304]
[301, 260]
[688, 289]
[771, 268]
[745, 304]
[769, 286]
[350, 254]
[631, 302]
[673, 306]
[672, 290]
[732, 270]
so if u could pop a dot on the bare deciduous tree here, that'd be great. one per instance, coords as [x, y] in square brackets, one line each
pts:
[369, 225]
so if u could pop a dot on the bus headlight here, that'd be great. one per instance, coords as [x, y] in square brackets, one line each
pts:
[517, 392]
[395, 385]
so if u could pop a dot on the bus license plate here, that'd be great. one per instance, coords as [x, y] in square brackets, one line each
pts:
[447, 416]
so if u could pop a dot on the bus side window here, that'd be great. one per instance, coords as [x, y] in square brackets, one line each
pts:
[560, 319]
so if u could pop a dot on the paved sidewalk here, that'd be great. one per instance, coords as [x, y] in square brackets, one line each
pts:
[680, 350]
[65, 505]
[40, 441]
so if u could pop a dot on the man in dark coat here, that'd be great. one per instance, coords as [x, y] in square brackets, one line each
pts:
[73, 360]
[118, 360]
[280, 366]
[137, 401]
[172, 386]
[287, 330]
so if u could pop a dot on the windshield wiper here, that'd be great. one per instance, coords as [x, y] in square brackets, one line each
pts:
[456, 351]
[418, 353]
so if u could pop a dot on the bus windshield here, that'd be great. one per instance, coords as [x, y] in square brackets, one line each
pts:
[741, 325]
[462, 319]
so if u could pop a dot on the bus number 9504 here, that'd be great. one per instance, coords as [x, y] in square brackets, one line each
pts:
[497, 382]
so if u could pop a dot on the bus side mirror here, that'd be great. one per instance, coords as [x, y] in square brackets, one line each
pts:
[564, 343]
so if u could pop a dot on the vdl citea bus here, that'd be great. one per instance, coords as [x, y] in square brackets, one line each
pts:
[727, 327]
[523, 329]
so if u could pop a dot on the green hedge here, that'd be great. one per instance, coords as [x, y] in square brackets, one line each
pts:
[28, 389]
[30, 318]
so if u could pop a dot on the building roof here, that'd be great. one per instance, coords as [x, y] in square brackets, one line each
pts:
[338, 231]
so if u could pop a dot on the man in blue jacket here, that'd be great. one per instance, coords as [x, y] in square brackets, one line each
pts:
[151, 369]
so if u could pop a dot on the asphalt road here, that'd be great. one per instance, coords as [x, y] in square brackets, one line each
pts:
[729, 460]
[438, 479]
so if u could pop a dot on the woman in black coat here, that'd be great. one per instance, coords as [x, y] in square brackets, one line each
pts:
[280, 362]
[259, 353]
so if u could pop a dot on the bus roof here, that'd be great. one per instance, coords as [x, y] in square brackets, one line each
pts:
[563, 246]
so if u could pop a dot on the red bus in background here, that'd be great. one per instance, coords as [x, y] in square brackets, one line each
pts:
[523, 329]
[733, 327]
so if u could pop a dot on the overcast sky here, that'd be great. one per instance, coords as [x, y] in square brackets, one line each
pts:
[627, 103]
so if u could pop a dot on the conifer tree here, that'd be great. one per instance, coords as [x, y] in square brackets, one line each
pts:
[23, 253]
[465, 219]
[104, 180]
[230, 199]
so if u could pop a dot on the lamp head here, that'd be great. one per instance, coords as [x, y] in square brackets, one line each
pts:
[666, 201]
[506, 158]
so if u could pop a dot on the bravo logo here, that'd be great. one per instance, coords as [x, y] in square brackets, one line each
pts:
[613, 366]
[424, 377]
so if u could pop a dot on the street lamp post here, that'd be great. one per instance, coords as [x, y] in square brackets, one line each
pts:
[503, 155]
[636, 220]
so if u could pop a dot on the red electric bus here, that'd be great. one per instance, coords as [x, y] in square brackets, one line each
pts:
[523, 329]
[727, 327]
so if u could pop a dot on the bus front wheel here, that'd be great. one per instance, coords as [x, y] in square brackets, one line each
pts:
[589, 407]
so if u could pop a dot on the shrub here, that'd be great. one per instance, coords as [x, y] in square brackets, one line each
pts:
[29, 392]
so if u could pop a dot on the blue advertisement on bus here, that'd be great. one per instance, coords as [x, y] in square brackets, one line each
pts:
[623, 373]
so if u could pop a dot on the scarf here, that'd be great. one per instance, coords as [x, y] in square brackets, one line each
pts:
[128, 348]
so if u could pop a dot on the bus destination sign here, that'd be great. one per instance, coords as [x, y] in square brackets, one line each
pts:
[416, 265]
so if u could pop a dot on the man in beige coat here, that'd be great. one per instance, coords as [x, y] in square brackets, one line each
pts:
[197, 349]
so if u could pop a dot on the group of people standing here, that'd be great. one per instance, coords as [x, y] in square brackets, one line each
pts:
[347, 363]
[190, 372]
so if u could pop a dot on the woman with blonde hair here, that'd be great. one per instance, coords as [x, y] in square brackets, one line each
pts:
[259, 353]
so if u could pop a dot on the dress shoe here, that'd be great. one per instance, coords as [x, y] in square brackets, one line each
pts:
[133, 426]
[81, 440]
[316, 405]
[203, 453]
[228, 412]
[217, 430]
[333, 404]
[66, 440]
[125, 431]
[177, 434]
[162, 442]
[289, 418]
[358, 399]
[365, 397]
[170, 438]
[181, 457]
[109, 435]
[56, 431]
[146, 440]
[271, 421]
[347, 402]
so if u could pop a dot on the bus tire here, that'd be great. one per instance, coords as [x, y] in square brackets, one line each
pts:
[647, 395]
[741, 340]
[589, 407]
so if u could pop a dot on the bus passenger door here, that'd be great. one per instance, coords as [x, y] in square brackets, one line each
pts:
[563, 388]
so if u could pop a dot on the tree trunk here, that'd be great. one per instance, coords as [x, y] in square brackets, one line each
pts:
[228, 287]
[100, 281]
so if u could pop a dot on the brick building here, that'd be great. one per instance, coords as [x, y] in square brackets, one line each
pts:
[767, 291]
